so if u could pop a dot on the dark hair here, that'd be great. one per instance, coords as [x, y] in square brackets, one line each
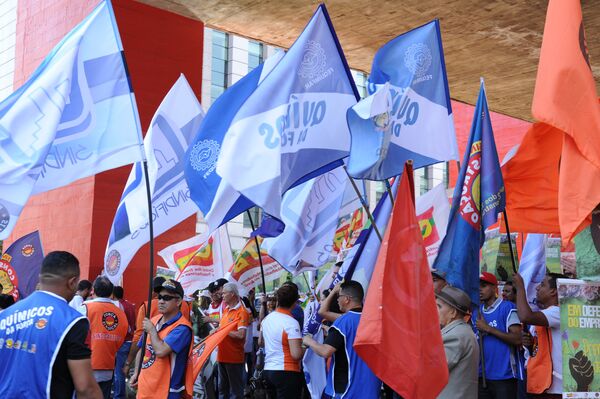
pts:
[6, 301]
[84, 285]
[118, 291]
[287, 295]
[552, 279]
[250, 306]
[292, 284]
[60, 263]
[353, 289]
[103, 287]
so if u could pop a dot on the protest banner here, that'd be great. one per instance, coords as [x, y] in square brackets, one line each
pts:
[553, 255]
[580, 332]
[495, 254]
[246, 268]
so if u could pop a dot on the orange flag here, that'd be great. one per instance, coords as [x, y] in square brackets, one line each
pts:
[202, 351]
[399, 333]
[565, 98]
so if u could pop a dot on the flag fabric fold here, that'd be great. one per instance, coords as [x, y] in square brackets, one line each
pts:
[292, 125]
[245, 271]
[401, 303]
[532, 265]
[199, 260]
[408, 114]
[433, 210]
[76, 116]
[218, 200]
[478, 198]
[171, 130]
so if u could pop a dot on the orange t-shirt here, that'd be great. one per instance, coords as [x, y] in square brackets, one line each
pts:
[231, 350]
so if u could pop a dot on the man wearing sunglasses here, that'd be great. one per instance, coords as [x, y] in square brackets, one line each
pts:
[167, 349]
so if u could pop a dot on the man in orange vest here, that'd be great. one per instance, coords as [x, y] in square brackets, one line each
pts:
[108, 328]
[544, 368]
[163, 367]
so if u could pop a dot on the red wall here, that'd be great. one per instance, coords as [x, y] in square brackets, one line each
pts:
[158, 46]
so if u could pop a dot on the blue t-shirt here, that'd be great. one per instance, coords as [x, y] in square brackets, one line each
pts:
[501, 362]
[179, 341]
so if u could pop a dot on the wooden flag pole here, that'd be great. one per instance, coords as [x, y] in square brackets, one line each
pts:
[512, 255]
[364, 204]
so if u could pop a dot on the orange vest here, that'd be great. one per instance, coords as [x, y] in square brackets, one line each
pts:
[539, 367]
[152, 381]
[108, 328]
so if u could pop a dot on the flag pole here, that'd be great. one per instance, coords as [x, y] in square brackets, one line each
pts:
[389, 191]
[512, 255]
[151, 265]
[364, 204]
[262, 270]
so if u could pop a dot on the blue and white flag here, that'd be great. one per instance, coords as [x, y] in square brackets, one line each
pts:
[293, 125]
[174, 124]
[310, 213]
[532, 266]
[75, 117]
[408, 115]
[314, 367]
[218, 201]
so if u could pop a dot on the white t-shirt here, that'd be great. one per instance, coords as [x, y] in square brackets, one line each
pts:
[553, 316]
[76, 302]
[277, 329]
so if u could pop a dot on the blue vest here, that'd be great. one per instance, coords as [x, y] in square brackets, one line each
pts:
[31, 333]
[501, 362]
[362, 383]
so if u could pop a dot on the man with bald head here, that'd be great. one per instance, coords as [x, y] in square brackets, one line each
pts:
[42, 349]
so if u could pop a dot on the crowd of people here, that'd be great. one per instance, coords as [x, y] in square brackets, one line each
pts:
[83, 337]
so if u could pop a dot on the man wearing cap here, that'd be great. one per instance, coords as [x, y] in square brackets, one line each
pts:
[167, 348]
[460, 344]
[499, 329]
[439, 280]
[215, 290]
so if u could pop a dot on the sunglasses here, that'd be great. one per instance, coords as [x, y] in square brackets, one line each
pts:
[166, 297]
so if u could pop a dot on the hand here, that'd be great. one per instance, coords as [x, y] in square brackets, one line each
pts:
[207, 319]
[582, 371]
[133, 381]
[481, 325]
[526, 339]
[148, 326]
[518, 281]
[307, 340]
[336, 289]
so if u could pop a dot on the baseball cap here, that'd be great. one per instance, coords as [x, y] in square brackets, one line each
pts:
[456, 298]
[157, 282]
[172, 286]
[215, 285]
[488, 278]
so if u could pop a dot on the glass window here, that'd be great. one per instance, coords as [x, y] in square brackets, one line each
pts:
[220, 58]
[256, 213]
[360, 79]
[255, 54]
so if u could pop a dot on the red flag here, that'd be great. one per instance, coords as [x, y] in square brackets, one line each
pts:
[399, 333]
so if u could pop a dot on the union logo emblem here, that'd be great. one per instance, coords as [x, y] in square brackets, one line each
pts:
[110, 321]
[41, 323]
[27, 250]
[113, 262]
[8, 278]
[314, 61]
[149, 357]
[470, 200]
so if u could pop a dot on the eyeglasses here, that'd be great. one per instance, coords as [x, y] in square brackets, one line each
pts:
[347, 296]
[166, 297]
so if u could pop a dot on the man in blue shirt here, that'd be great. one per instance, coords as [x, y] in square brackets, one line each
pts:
[499, 328]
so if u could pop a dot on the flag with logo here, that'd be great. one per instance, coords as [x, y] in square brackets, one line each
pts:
[171, 130]
[20, 266]
[478, 198]
[76, 116]
[199, 260]
[399, 336]
[532, 266]
[433, 210]
[246, 268]
[218, 200]
[408, 113]
[292, 126]
[310, 213]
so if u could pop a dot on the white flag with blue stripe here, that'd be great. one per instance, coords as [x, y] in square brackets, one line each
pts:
[175, 122]
[293, 125]
[76, 116]
[532, 266]
[408, 115]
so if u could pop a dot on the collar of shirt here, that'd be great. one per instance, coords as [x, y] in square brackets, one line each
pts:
[356, 310]
[54, 295]
[168, 323]
[104, 300]
[493, 306]
[237, 305]
[284, 311]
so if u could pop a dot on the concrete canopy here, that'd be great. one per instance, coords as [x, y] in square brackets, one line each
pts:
[497, 39]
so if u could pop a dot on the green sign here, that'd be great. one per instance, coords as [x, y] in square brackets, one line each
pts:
[495, 254]
[580, 332]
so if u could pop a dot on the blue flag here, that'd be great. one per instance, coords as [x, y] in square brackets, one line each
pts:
[218, 201]
[478, 198]
[293, 124]
[408, 113]
[75, 117]
[25, 257]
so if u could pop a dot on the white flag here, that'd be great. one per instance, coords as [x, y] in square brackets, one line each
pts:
[433, 210]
